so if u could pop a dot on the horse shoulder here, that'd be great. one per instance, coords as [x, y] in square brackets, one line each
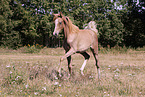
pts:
[71, 38]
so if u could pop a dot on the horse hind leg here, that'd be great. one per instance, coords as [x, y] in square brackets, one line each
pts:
[86, 56]
[95, 54]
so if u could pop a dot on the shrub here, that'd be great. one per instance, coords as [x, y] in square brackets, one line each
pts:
[31, 49]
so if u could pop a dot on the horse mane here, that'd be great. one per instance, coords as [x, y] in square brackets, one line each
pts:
[72, 28]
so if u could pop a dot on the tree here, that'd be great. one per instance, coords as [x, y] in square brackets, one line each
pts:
[24, 22]
[9, 37]
[134, 22]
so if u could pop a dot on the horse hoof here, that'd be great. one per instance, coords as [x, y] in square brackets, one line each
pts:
[60, 75]
[82, 73]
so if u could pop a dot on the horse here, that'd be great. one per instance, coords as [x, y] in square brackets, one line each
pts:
[76, 41]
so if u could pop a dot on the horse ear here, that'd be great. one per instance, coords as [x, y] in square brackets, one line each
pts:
[55, 16]
[61, 15]
[65, 19]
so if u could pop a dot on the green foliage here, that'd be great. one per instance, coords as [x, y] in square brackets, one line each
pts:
[9, 37]
[134, 24]
[112, 30]
[31, 21]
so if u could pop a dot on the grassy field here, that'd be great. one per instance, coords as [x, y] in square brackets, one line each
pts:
[26, 74]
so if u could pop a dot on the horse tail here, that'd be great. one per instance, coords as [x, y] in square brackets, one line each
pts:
[92, 26]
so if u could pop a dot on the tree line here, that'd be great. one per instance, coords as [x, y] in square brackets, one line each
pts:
[119, 22]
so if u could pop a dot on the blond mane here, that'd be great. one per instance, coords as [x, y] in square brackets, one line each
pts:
[72, 28]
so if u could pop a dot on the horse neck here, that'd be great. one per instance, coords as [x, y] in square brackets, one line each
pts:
[66, 31]
[70, 28]
[73, 28]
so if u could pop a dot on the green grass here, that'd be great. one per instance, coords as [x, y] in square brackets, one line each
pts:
[34, 74]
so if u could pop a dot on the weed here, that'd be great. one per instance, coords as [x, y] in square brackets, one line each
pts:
[23, 74]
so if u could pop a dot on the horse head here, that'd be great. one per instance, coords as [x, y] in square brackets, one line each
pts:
[61, 22]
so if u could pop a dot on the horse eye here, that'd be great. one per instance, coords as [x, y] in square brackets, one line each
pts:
[60, 23]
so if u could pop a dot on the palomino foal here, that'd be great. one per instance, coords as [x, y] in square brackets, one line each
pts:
[76, 41]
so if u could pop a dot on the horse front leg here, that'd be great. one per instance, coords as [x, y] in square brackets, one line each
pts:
[67, 55]
[69, 65]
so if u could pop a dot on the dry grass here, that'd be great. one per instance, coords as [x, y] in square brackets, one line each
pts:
[21, 74]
